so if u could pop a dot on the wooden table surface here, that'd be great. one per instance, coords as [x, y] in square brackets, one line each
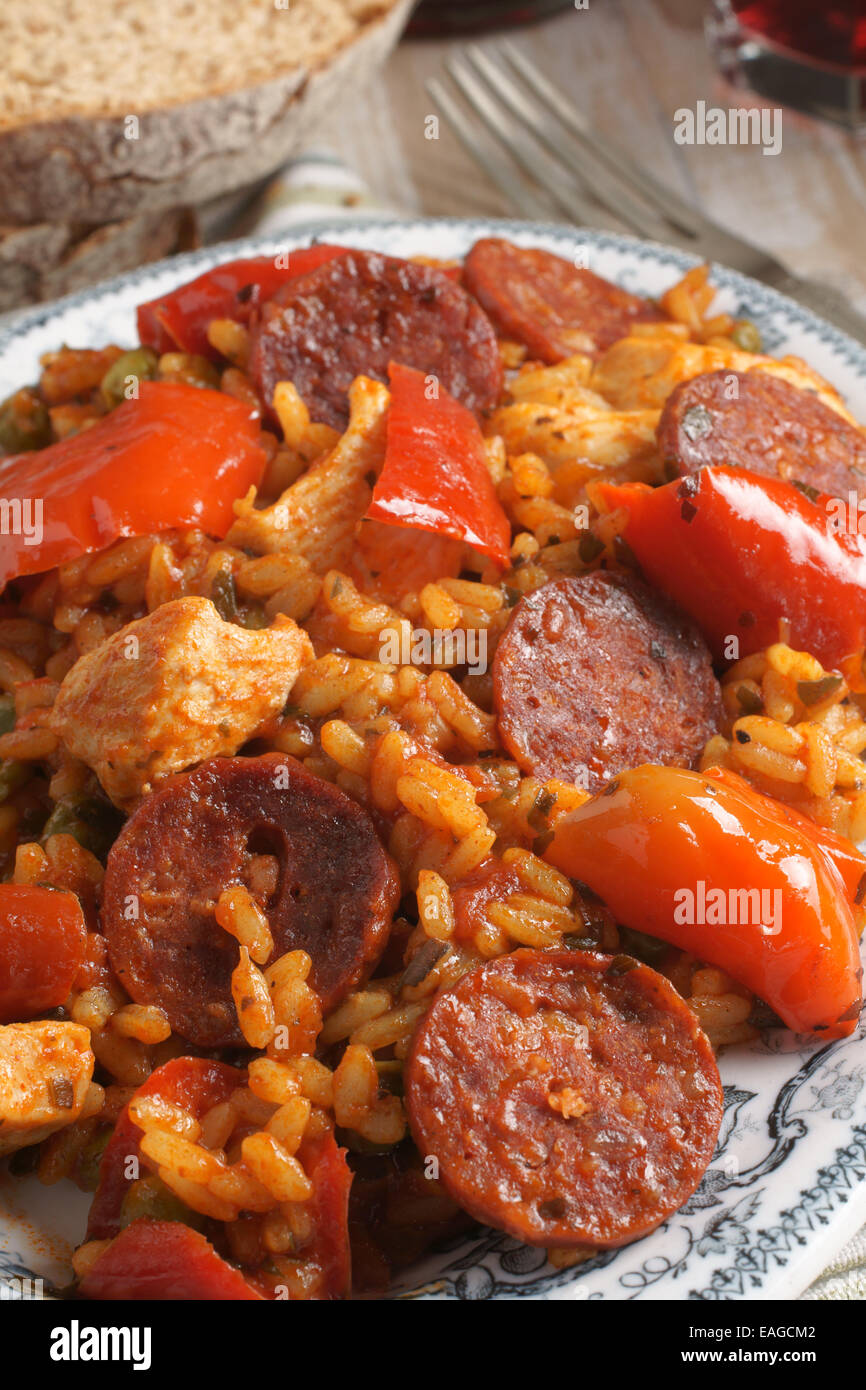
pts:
[629, 64]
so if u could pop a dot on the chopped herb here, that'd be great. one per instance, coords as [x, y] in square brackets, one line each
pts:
[806, 488]
[573, 941]
[813, 692]
[749, 700]
[542, 842]
[512, 596]
[589, 548]
[621, 965]
[422, 963]
[223, 595]
[541, 809]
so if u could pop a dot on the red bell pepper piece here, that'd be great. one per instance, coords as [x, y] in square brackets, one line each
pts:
[164, 1261]
[739, 552]
[391, 561]
[325, 1165]
[195, 1084]
[175, 456]
[663, 845]
[850, 863]
[435, 477]
[180, 318]
[42, 945]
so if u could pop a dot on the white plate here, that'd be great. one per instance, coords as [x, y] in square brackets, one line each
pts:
[785, 1189]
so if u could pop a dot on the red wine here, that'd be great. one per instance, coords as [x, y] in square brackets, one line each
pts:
[809, 54]
[823, 31]
[440, 17]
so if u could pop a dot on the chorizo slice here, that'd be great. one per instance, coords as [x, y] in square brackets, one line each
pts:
[597, 673]
[354, 315]
[761, 422]
[547, 303]
[309, 855]
[569, 1097]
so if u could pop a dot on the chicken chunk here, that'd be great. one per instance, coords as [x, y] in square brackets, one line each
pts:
[172, 689]
[45, 1071]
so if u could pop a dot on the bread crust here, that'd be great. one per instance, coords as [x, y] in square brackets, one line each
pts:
[84, 169]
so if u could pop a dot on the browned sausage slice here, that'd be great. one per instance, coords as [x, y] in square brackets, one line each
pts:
[570, 1097]
[309, 855]
[757, 421]
[548, 304]
[354, 315]
[597, 673]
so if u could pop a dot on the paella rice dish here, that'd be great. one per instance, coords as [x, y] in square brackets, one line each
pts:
[431, 728]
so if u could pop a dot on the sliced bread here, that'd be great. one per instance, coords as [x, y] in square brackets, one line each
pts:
[108, 110]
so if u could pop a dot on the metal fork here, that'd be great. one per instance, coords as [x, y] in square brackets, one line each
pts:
[536, 129]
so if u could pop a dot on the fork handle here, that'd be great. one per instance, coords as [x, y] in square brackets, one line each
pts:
[823, 300]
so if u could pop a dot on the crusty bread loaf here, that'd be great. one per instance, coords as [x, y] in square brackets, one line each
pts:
[222, 91]
[49, 259]
[89, 58]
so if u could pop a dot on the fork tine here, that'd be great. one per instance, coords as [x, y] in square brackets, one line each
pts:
[663, 199]
[587, 165]
[532, 158]
[498, 170]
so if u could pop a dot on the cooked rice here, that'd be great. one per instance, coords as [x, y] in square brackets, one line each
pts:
[417, 745]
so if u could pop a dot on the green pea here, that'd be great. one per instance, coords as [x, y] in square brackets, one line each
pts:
[139, 363]
[87, 1167]
[7, 713]
[12, 776]
[747, 336]
[90, 820]
[24, 423]
[150, 1197]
